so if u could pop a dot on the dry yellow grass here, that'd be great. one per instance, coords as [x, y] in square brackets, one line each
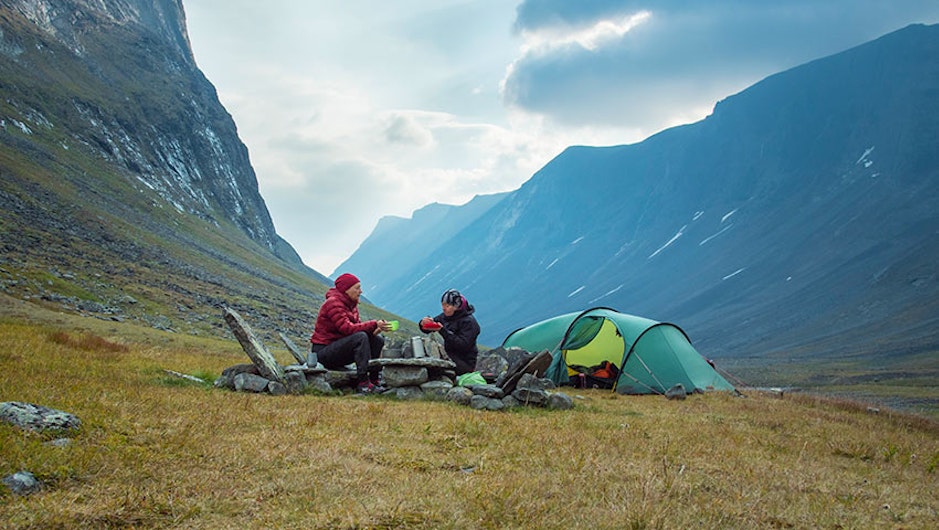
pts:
[156, 452]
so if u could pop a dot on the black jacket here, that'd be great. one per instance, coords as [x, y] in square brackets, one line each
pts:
[459, 334]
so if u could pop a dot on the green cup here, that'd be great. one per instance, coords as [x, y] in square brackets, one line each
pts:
[394, 325]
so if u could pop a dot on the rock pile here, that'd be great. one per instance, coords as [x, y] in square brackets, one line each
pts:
[413, 369]
[38, 419]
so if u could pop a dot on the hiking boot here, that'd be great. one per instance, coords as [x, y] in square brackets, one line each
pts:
[368, 388]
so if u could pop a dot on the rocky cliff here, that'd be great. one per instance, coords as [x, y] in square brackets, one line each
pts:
[122, 177]
[118, 78]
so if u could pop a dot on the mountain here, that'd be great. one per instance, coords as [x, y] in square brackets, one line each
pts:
[125, 191]
[800, 218]
[397, 244]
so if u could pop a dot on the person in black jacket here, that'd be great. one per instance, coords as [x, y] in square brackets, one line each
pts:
[459, 330]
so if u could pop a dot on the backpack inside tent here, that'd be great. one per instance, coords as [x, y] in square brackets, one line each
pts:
[604, 348]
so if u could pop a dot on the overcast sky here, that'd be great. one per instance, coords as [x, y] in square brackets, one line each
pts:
[357, 109]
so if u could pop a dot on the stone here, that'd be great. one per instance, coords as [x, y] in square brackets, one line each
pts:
[480, 402]
[420, 348]
[306, 369]
[393, 348]
[292, 348]
[319, 384]
[408, 392]
[537, 366]
[510, 402]
[676, 392]
[341, 378]
[528, 396]
[246, 382]
[227, 379]
[276, 389]
[491, 366]
[532, 390]
[490, 391]
[425, 362]
[295, 382]
[37, 417]
[436, 389]
[532, 382]
[434, 349]
[398, 376]
[514, 356]
[22, 483]
[560, 401]
[460, 395]
[267, 365]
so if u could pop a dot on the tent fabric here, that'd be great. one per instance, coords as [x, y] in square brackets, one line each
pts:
[651, 356]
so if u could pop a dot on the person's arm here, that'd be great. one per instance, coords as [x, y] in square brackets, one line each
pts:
[342, 319]
[464, 337]
[429, 325]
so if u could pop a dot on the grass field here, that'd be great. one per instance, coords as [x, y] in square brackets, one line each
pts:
[156, 451]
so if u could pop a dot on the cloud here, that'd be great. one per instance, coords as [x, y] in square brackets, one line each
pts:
[655, 64]
[405, 129]
[359, 109]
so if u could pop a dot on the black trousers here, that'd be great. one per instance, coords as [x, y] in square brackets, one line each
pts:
[357, 348]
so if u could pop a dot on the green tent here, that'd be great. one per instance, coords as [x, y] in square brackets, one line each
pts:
[651, 356]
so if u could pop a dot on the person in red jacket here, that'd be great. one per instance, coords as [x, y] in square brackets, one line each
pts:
[340, 337]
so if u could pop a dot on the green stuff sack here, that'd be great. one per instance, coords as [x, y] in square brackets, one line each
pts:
[470, 379]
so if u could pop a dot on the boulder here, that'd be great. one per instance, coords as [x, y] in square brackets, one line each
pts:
[460, 395]
[318, 383]
[408, 392]
[37, 417]
[480, 402]
[560, 401]
[276, 389]
[436, 389]
[490, 391]
[491, 366]
[245, 382]
[227, 379]
[401, 376]
[537, 366]
[267, 365]
[22, 483]
[341, 378]
[676, 392]
[296, 382]
[292, 348]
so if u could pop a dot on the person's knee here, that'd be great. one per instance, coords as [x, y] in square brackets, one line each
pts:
[359, 337]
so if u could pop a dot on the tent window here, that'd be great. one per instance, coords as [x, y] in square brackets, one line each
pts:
[596, 341]
[583, 333]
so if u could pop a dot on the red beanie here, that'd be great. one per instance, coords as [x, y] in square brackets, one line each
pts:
[345, 281]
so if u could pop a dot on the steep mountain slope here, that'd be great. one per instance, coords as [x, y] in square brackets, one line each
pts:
[800, 217]
[124, 189]
[397, 244]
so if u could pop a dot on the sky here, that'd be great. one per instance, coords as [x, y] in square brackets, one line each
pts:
[354, 110]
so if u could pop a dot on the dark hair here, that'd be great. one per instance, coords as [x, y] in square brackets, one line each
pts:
[452, 297]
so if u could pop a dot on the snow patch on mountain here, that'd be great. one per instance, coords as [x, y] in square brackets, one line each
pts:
[670, 241]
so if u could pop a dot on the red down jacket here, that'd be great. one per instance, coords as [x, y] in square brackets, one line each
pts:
[338, 318]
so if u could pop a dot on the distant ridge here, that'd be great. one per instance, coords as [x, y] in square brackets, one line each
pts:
[398, 244]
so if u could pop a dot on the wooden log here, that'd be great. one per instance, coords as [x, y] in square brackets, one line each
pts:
[187, 377]
[267, 365]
